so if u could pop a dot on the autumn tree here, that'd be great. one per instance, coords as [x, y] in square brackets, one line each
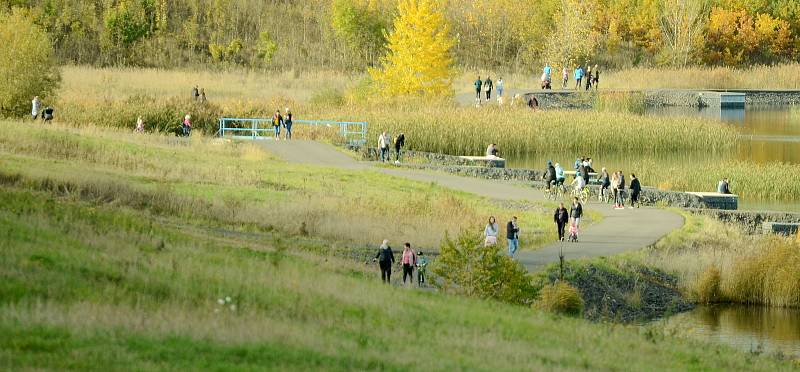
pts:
[27, 67]
[418, 60]
[734, 37]
[575, 39]
[682, 26]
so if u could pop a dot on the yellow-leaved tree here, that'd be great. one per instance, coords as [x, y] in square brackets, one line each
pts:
[418, 61]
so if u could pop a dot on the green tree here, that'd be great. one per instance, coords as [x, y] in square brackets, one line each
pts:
[418, 61]
[125, 24]
[27, 67]
[266, 47]
[468, 267]
[360, 26]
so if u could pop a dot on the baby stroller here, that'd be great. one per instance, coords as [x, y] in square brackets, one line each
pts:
[573, 233]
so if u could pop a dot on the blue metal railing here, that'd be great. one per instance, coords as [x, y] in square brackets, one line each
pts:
[353, 132]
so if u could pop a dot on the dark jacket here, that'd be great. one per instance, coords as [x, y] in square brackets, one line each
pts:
[635, 186]
[584, 173]
[622, 182]
[606, 180]
[511, 231]
[561, 215]
[400, 142]
[488, 84]
[385, 255]
[577, 211]
[551, 173]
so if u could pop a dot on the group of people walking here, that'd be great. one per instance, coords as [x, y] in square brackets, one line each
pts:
[485, 88]
[385, 142]
[562, 216]
[492, 231]
[198, 94]
[282, 121]
[409, 261]
[584, 77]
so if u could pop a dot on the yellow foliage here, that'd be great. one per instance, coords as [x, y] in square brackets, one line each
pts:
[560, 298]
[418, 61]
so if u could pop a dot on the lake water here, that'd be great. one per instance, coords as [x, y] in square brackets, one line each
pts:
[768, 134]
[749, 328]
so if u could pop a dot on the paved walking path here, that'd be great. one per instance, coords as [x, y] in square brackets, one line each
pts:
[619, 231]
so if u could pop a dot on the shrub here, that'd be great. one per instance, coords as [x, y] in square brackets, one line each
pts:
[707, 286]
[27, 67]
[467, 267]
[560, 298]
[769, 276]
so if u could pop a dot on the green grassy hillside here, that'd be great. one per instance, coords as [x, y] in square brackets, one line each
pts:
[111, 260]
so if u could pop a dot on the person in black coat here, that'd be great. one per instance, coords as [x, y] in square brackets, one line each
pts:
[550, 174]
[399, 143]
[561, 217]
[385, 259]
[636, 188]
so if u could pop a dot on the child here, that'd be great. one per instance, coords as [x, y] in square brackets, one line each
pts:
[573, 232]
[422, 262]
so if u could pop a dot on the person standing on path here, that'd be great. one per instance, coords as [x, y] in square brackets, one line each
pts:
[578, 77]
[36, 106]
[399, 143]
[500, 89]
[478, 84]
[576, 212]
[561, 217]
[615, 188]
[595, 77]
[512, 234]
[621, 188]
[488, 86]
[139, 125]
[385, 259]
[588, 77]
[287, 123]
[202, 96]
[636, 188]
[490, 232]
[564, 78]
[383, 145]
[277, 123]
[195, 93]
[605, 183]
[422, 265]
[409, 261]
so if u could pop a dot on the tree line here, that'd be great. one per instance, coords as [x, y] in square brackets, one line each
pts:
[351, 34]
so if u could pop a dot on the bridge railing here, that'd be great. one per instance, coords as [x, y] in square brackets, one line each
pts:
[352, 132]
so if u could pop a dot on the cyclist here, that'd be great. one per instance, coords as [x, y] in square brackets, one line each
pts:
[550, 174]
[559, 175]
[578, 183]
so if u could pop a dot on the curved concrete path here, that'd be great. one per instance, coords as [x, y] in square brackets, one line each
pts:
[619, 231]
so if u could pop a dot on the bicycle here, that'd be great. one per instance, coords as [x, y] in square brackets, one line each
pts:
[582, 195]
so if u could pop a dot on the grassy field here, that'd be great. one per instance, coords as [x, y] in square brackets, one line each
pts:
[92, 279]
[207, 180]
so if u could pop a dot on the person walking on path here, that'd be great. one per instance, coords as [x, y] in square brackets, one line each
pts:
[615, 188]
[487, 87]
[187, 125]
[605, 183]
[195, 93]
[500, 88]
[287, 123]
[561, 217]
[576, 212]
[36, 106]
[564, 78]
[578, 77]
[478, 84]
[202, 97]
[385, 259]
[383, 145]
[490, 232]
[139, 125]
[588, 77]
[512, 235]
[399, 143]
[621, 190]
[636, 188]
[409, 261]
[595, 77]
[277, 123]
[422, 265]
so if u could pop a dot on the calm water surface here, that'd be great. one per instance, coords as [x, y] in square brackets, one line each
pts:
[749, 328]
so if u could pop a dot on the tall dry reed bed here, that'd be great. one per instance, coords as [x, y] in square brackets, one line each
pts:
[459, 131]
[760, 77]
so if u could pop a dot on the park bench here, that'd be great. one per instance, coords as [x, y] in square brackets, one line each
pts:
[593, 180]
[715, 200]
[782, 228]
[485, 161]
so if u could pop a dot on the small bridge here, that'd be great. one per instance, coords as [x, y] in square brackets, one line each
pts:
[352, 132]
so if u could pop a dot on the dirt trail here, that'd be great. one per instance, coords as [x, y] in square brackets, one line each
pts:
[619, 231]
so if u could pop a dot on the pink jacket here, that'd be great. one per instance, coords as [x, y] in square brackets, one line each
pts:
[409, 257]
